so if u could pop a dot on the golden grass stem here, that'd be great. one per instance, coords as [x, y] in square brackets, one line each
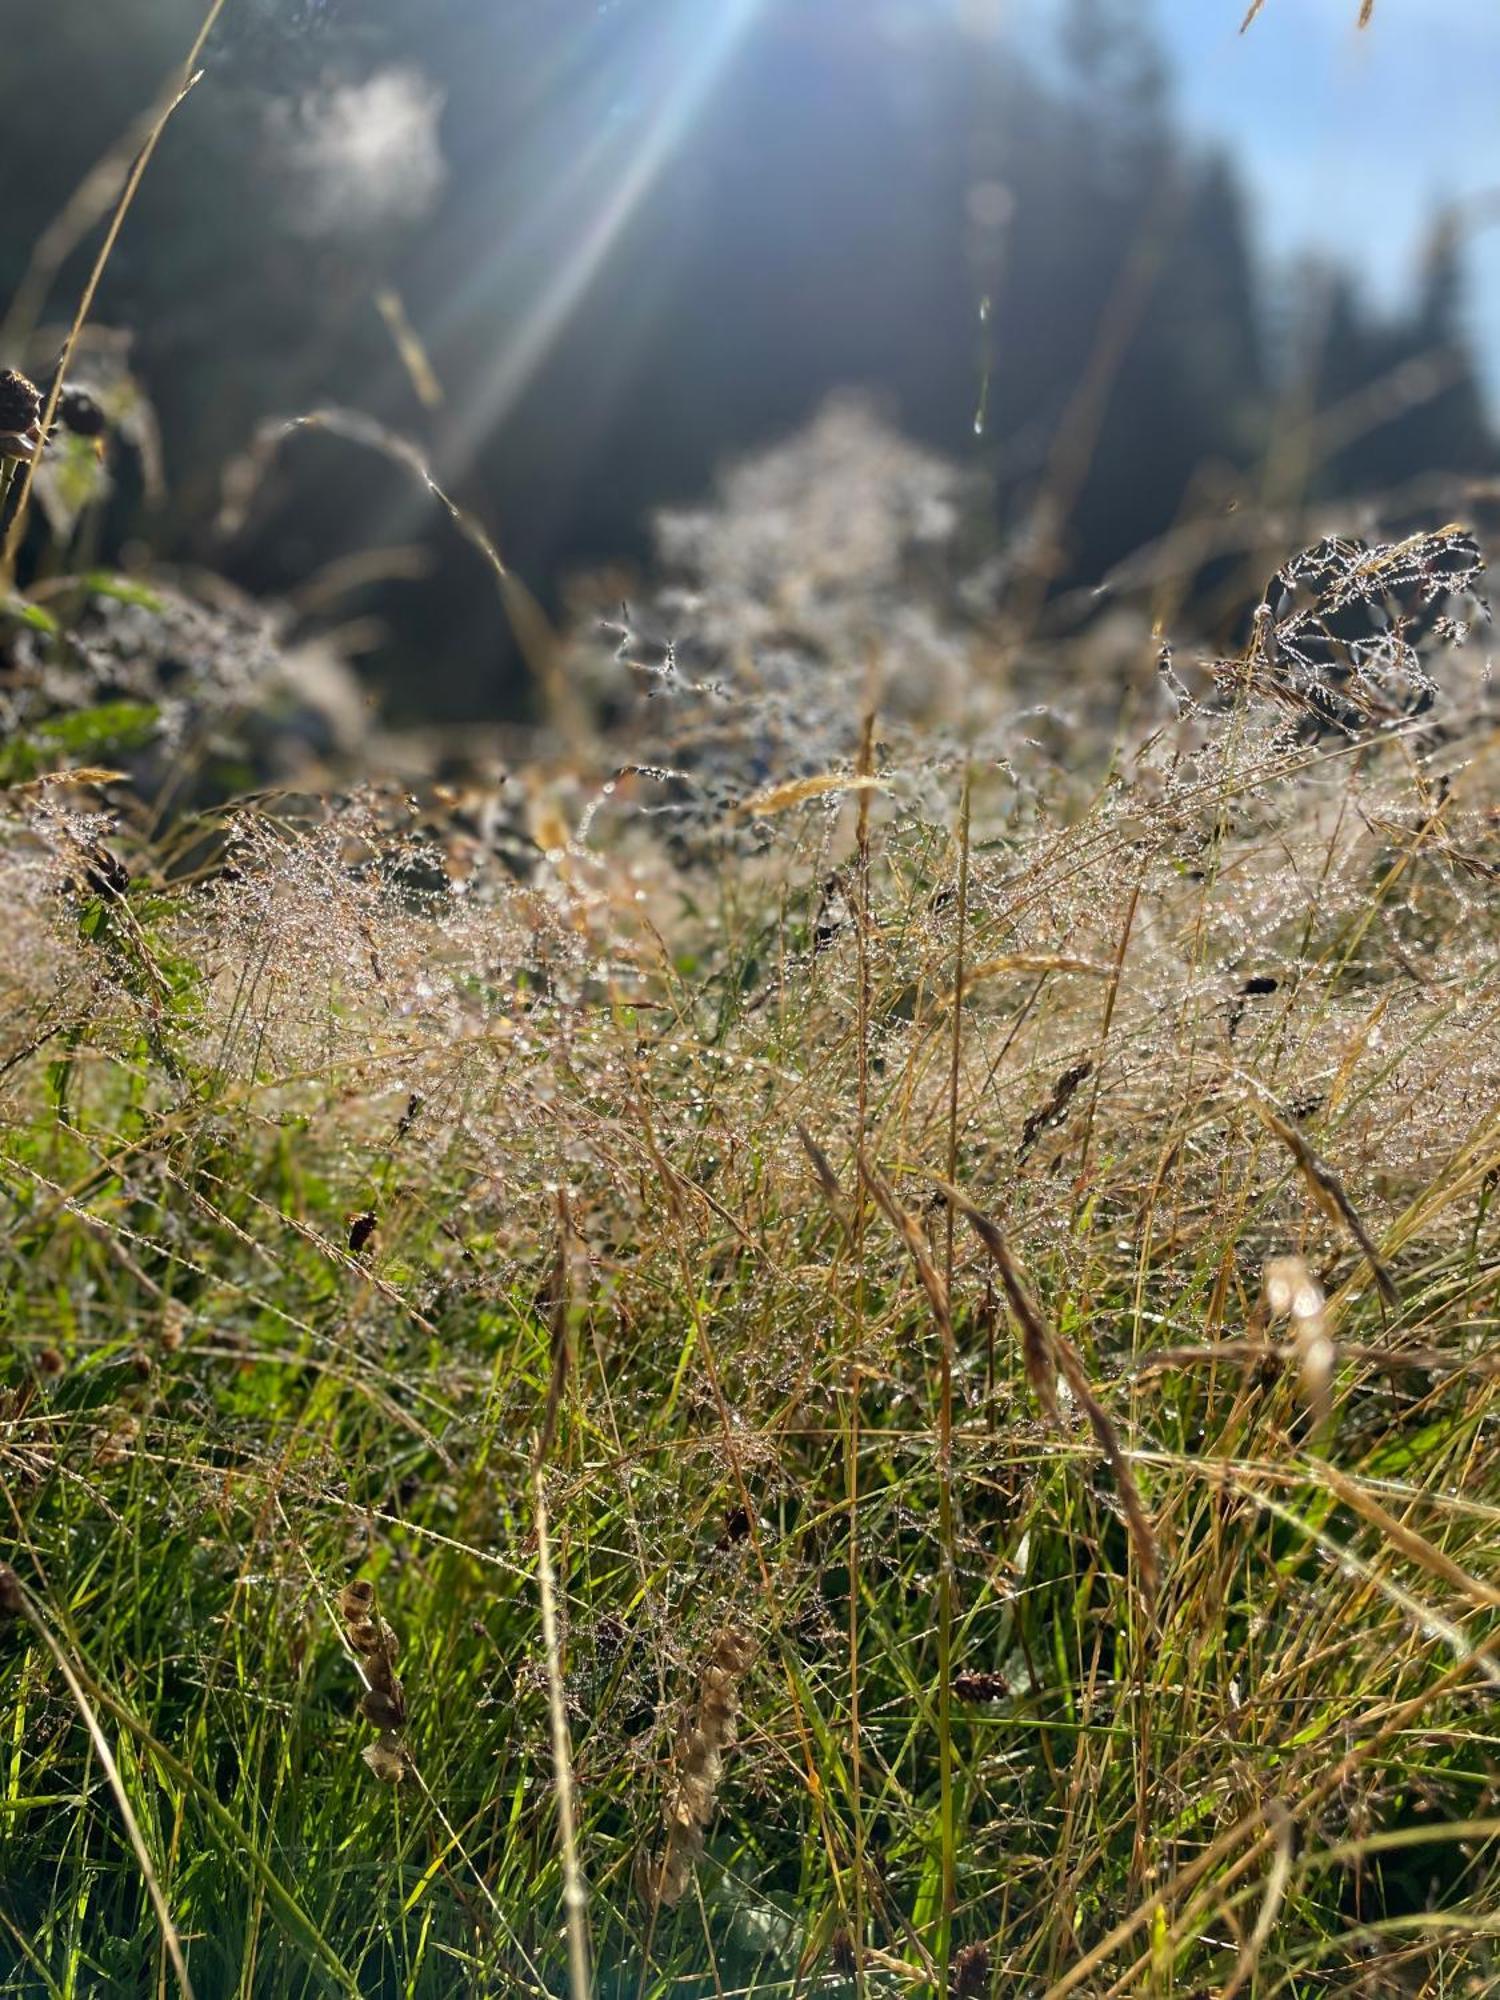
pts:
[575, 1890]
[189, 76]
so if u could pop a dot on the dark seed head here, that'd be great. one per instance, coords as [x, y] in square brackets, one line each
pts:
[104, 874]
[970, 1971]
[78, 412]
[20, 415]
[385, 1709]
[970, 1684]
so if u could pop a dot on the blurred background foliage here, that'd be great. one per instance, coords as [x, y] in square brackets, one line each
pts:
[636, 237]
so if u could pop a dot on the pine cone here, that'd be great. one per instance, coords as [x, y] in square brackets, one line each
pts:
[20, 416]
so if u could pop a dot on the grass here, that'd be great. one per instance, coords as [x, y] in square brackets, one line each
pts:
[769, 1314]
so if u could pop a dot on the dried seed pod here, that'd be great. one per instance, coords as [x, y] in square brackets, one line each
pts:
[380, 1674]
[970, 1684]
[104, 874]
[386, 1758]
[20, 416]
[386, 1711]
[1055, 1108]
[372, 1635]
[355, 1599]
[383, 1702]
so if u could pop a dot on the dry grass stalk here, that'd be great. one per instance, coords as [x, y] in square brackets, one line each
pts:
[1037, 1345]
[188, 77]
[1278, 1876]
[700, 1767]
[914, 1237]
[1045, 1348]
[561, 1301]
[1142, 1534]
[798, 791]
[1328, 1192]
[575, 1893]
[828, 1180]
[1051, 1112]
[1416, 1548]
[1020, 961]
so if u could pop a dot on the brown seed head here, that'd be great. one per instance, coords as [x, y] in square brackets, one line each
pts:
[970, 1971]
[20, 416]
[355, 1600]
[386, 1759]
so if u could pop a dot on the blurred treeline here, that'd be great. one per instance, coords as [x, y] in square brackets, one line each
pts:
[634, 237]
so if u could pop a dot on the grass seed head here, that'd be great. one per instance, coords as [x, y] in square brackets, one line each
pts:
[699, 1767]
[1291, 1292]
[20, 416]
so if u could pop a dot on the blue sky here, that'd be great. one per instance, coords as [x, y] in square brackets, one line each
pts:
[1347, 139]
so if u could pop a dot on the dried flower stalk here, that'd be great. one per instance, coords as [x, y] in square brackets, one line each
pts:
[700, 1767]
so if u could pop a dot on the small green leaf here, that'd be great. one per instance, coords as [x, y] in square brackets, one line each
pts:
[123, 589]
[118, 725]
[25, 613]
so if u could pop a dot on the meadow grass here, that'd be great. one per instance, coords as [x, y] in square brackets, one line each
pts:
[878, 1379]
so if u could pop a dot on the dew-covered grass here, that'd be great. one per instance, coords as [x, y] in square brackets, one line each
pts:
[877, 1357]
